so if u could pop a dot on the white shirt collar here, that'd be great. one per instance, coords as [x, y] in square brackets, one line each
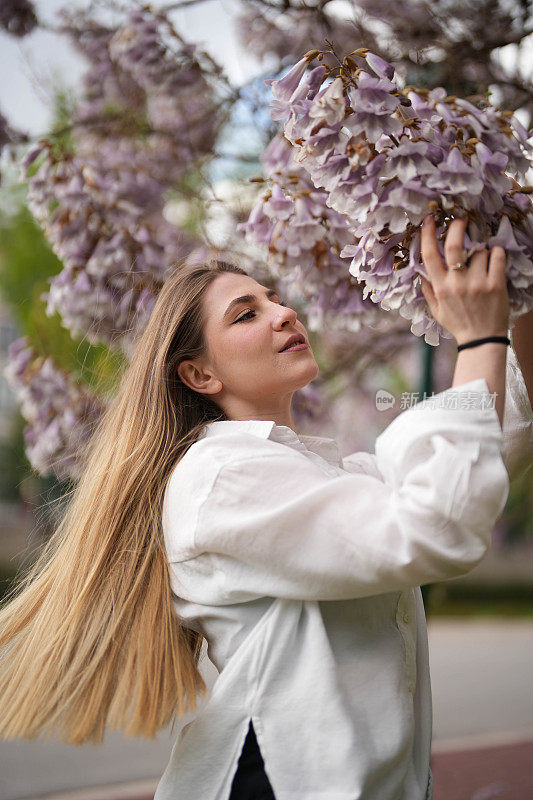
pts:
[267, 429]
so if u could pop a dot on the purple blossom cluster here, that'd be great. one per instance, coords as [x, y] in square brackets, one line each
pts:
[386, 157]
[180, 100]
[107, 90]
[108, 229]
[147, 119]
[303, 237]
[145, 84]
[61, 414]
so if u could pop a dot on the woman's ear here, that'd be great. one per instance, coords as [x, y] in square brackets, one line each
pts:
[197, 378]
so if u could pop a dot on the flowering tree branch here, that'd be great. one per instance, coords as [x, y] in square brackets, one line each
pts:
[154, 117]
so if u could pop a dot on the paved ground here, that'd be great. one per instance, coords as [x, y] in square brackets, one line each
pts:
[485, 773]
[483, 729]
[482, 709]
[481, 676]
[494, 773]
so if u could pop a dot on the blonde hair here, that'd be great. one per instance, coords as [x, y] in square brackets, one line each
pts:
[90, 638]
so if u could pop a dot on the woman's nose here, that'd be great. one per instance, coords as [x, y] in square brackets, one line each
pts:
[285, 314]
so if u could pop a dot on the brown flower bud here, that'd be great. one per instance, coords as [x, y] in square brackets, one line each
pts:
[351, 63]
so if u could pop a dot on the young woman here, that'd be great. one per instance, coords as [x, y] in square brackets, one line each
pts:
[201, 513]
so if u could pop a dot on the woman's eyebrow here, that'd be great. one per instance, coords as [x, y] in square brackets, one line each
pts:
[246, 298]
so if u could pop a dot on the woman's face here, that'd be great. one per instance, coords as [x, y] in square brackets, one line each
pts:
[244, 337]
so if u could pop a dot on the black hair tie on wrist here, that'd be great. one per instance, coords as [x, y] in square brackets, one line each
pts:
[474, 342]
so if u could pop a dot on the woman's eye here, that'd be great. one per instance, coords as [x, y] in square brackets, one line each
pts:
[246, 315]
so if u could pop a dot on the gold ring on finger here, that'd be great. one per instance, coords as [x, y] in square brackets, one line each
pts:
[459, 265]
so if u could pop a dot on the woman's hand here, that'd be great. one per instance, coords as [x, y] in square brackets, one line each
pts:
[470, 303]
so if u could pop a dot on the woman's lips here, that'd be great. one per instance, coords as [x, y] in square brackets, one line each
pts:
[293, 348]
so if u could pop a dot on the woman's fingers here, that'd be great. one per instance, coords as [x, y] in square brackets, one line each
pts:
[466, 302]
[430, 252]
[454, 251]
[482, 271]
[477, 268]
[497, 265]
[429, 294]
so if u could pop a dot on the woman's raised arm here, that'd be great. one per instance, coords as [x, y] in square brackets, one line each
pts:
[273, 523]
[517, 427]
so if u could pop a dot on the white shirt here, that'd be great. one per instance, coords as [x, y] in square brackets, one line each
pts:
[302, 570]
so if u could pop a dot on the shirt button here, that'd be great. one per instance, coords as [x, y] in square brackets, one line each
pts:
[406, 617]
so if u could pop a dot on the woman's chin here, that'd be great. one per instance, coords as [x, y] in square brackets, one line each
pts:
[308, 374]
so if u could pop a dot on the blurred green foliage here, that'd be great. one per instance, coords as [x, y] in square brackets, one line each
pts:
[460, 598]
[14, 465]
[518, 513]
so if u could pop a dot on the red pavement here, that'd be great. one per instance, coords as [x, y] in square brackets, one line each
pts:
[502, 772]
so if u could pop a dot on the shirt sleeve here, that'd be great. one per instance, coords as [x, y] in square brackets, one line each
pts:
[276, 524]
[517, 428]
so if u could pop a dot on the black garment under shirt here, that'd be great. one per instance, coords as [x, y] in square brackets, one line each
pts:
[250, 781]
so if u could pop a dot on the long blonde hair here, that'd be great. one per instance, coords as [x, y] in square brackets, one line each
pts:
[90, 638]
